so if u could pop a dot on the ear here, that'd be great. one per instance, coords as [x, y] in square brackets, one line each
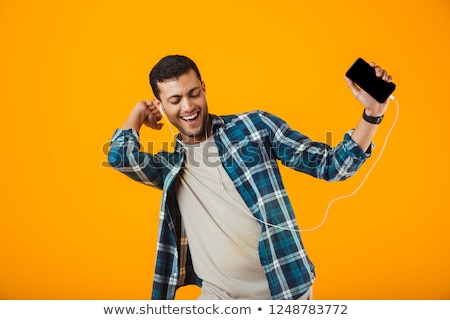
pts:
[158, 104]
[204, 87]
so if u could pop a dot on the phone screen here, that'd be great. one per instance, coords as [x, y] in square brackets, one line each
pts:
[362, 74]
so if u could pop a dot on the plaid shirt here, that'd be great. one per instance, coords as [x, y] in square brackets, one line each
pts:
[250, 146]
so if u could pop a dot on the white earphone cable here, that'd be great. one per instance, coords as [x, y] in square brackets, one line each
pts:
[246, 211]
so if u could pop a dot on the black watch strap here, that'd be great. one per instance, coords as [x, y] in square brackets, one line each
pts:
[373, 120]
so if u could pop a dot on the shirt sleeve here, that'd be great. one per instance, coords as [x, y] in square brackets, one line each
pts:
[124, 156]
[317, 159]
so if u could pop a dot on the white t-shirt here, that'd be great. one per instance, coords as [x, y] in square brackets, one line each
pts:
[222, 233]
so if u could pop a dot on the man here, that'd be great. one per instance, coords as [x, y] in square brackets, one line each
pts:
[226, 222]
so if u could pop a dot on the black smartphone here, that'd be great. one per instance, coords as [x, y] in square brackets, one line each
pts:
[362, 74]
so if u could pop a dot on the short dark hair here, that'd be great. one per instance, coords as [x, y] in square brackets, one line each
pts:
[171, 68]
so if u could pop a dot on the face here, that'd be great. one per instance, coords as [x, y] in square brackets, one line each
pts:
[184, 102]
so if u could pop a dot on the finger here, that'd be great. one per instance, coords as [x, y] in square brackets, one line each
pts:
[153, 107]
[156, 109]
[381, 72]
[387, 77]
[359, 93]
[154, 124]
[351, 85]
[141, 104]
[157, 114]
[378, 71]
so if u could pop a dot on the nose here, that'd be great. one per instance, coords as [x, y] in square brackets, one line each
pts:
[186, 105]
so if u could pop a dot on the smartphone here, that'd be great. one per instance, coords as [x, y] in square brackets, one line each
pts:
[363, 75]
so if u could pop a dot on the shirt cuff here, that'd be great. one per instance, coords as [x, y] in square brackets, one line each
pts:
[128, 133]
[354, 149]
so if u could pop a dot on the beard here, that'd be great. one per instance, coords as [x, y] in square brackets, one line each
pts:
[195, 134]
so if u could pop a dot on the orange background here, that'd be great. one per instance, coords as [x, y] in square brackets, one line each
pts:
[72, 228]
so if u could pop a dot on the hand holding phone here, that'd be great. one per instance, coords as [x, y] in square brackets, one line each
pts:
[365, 77]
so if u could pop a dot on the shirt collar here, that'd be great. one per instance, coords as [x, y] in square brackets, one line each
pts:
[216, 122]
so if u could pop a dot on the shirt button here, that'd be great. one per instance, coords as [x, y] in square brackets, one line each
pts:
[175, 274]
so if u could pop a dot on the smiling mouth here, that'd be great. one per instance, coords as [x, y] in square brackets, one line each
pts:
[191, 118]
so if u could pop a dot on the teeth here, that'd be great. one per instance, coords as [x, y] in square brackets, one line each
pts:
[190, 117]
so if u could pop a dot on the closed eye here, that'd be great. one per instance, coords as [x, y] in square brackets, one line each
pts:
[195, 93]
[175, 101]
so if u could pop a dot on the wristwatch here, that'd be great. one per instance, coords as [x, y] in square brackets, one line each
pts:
[373, 120]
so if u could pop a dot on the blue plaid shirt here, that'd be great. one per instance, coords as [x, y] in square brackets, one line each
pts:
[250, 146]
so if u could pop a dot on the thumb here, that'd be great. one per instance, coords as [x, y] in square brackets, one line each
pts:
[350, 84]
[357, 91]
